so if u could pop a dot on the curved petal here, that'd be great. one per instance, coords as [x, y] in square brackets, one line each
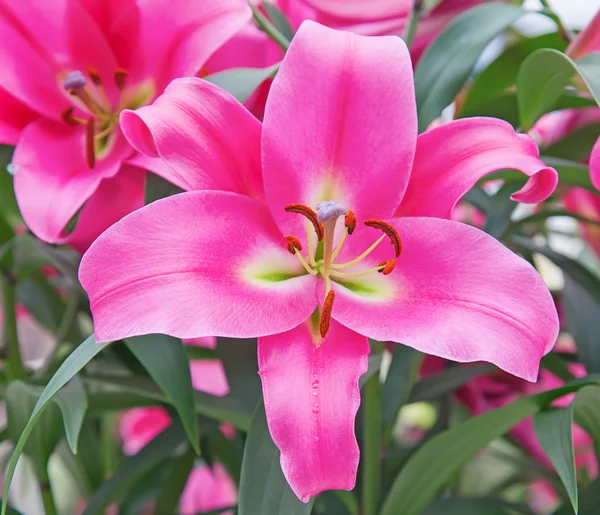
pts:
[587, 41]
[178, 36]
[595, 165]
[456, 293]
[139, 426]
[361, 10]
[208, 489]
[53, 179]
[14, 117]
[311, 398]
[208, 375]
[340, 124]
[451, 158]
[114, 198]
[195, 264]
[203, 134]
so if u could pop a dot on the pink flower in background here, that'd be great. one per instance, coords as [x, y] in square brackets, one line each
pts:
[339, 145]
[208, 489]
[69, 68]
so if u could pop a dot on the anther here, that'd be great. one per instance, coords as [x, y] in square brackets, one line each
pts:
[120, 76]
[388, 266]
[67, 116]
[293, 244]
[326, 314]
[74, 80]
[90, 152]
[310, 214]
[94, 75]
[389, 231]
[350, 221]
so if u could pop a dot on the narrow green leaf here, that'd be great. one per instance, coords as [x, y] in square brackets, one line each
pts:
[10, 209]
[543, 77]
[582, 312]
[279, 20]
[164, 358]
[589, 500]
[434, 386]
[72, 401]
[373, 367]
[501, 209]
[450, 59]
[80, 357]
[554, 431]
[242, 82]
[263, 489]
[415, 486]
[179, 469]
[399, 382]
[453, 506]
[133, 468]
[587, 413]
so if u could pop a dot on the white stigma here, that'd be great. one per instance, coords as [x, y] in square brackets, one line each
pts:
[330, 209]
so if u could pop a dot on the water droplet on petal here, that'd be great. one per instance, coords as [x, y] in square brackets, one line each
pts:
[315, 408]
[12, 168]
[316, 438]
[315, 393]
[315, 383]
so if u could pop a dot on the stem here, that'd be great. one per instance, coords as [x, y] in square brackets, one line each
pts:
[371, 459]
[47, 498]
[270, 29]
[415, 17]
[14, 365]
[565, 33]
[108, 444]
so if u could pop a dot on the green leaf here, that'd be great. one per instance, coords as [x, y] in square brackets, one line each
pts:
[582, 312]
[501, 209]
[434, 386]
[178, 471]
[279, 20]
[399, 382]
[263, 489]
[41, 300]
[164, 358]
[450, 59]
[453, 506]
[416, 485]
[543, 77]
[587, 412]
[576, 146]
[80, 357]
[589, 500]
[10, 209]
[72, 401]
[242, 82]
[21, 399]
[554, 431]
[133, 468]
[157, 188]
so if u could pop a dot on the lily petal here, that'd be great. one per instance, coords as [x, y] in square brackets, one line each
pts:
[53, 179]
[311, 398]
[14, 117]
[203, 134]
[195, 264]
[451, 158]
[340, 123]
[115, 197]
[456, 293]
[595, 165]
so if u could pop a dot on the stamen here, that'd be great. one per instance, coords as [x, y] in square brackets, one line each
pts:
[94, 75]
[293, 244]
[311, 256]
[389, 231]
[90, 144]
[361, 257]
[339, 245]
[120, 78]
[67, 116]
[350, 221]
[74, 80]
[310, 214]
[388, 266]
[326, 314]
[305, 264]
[350, 275]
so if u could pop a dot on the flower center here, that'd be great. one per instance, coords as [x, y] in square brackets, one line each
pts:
[100, 117]
[323, 222]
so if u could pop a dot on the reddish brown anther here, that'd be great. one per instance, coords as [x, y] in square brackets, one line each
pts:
[120, 77]
[350, 221]
[90, 150]
[388, 266]
[389, 231]
[94, 75]
[293, 244]
[310, 214]
[67, 116]
[326, 314]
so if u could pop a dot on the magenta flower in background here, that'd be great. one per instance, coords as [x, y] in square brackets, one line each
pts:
[69, 68]
[297, 250]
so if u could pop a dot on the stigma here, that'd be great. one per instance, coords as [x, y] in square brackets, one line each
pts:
[322, 220]
[98, 115]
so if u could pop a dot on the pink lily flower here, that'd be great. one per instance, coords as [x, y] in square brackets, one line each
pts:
[297, 251]
[208, 488]
[70, 67]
